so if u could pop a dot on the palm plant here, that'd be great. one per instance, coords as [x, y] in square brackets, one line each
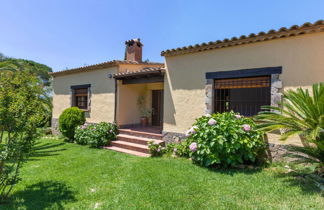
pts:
[299, 113]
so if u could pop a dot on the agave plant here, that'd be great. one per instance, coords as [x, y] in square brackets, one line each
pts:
[300, 113]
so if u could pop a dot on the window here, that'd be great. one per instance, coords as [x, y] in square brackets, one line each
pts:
[80, 96]
[243, 95]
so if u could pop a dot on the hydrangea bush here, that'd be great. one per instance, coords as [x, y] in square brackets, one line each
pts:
[156, 149]
[96, 135]
[225, 139]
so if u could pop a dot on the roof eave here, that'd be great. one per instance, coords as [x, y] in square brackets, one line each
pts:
[306, 28]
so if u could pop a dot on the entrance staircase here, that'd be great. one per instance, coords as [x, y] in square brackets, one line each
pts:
[134, 141]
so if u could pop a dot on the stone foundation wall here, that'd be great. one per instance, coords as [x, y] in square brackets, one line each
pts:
[55, 126]
[172, 137]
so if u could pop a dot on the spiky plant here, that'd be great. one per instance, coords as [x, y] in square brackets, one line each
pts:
[300, 113]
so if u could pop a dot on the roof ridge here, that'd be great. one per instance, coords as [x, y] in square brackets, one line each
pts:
[283, 32]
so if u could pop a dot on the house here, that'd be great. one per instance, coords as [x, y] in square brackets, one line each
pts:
[240, 74]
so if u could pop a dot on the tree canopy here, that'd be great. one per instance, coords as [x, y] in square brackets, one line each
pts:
[40, 71]
[17, 64]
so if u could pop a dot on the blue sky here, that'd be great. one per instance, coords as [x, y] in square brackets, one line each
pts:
[71, 33]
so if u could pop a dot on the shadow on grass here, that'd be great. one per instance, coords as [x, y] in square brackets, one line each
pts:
[303, 181]
[233, 171]
[43, 195]
[304, 175]
[45, 150]
[299, 154]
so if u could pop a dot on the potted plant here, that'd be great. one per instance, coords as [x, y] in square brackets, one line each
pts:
[144, 111]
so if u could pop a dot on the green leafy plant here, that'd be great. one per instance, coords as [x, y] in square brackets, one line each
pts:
[21, 111]
[69, 120]
[225, 139]
[96, 135]
[182, 149]
[299, 113]
[156, 149]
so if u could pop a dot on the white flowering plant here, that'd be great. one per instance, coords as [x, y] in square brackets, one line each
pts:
[224, 139]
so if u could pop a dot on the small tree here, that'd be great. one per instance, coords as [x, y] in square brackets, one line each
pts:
[21, 111]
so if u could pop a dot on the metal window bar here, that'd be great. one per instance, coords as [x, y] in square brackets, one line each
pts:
[243, 95]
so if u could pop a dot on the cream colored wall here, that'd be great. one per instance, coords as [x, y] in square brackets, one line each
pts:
[301, 58]
[128, 110]
[102, 89]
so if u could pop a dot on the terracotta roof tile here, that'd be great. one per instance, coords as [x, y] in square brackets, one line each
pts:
[147, 70]
[99, 66]
[283, 32]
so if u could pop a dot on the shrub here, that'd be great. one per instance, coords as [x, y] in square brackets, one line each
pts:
[182, 149]
[300, 112]
[156, 149]
[69, 120]
[225, 139]
[96, 135]
[83, 134]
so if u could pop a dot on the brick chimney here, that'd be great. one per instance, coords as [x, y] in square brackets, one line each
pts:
[133, 50]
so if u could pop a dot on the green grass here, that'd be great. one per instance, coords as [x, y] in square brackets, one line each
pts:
[69, 176]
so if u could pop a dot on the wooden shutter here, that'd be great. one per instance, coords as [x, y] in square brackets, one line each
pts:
[251, 82]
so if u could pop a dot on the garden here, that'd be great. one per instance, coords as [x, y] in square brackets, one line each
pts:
[222, 163]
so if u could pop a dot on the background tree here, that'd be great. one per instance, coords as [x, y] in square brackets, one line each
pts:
[43, 78]
[21, 110]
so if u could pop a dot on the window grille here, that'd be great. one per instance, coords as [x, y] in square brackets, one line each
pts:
[243, 95]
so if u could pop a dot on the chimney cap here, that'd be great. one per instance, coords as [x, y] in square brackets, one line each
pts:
[132, 41]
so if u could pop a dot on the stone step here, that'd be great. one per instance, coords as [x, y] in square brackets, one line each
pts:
[127, 151]
[137, 139]
[143, 134]
[130, 146]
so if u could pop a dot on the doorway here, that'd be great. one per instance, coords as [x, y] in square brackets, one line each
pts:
[157, 107]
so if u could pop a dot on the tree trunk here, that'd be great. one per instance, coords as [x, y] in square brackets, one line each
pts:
[1, 136]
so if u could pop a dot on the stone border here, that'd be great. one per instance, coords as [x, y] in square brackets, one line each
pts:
[276, 86]
[209, 96]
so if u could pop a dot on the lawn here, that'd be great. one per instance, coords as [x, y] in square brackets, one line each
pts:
[69, 176]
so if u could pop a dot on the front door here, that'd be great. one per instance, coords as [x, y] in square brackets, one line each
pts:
[157, 107]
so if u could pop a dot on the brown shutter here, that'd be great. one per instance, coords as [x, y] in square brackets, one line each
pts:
[252, 82]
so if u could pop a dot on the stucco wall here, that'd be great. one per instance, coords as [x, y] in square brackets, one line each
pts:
[301, 58]
[128, 110]
[102, 93]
